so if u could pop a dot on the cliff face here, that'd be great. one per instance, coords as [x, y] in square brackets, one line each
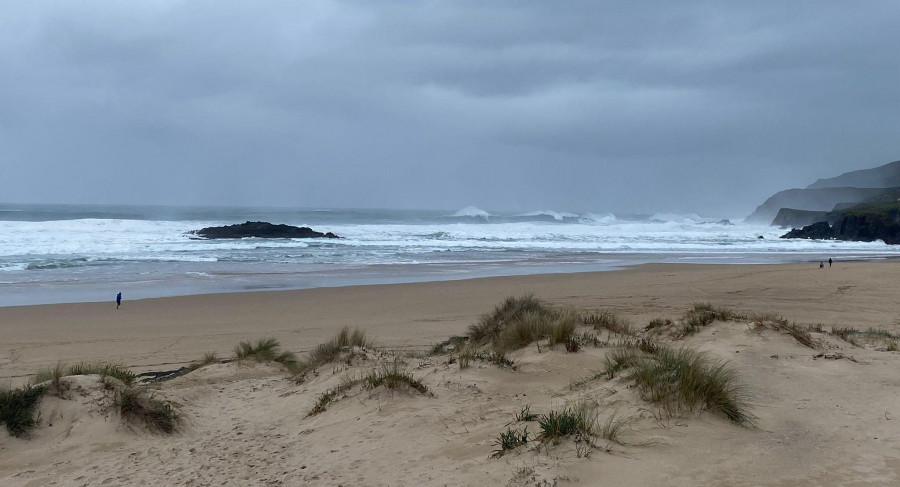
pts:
[823, 199]
[886, 176]
[865, 223]
[791, 218]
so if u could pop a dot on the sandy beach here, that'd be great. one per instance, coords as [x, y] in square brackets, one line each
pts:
[826, 416]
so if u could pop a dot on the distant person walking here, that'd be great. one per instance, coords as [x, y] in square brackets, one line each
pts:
[830, 262]
[118, 299]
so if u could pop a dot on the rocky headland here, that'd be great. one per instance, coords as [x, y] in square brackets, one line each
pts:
[864, 223]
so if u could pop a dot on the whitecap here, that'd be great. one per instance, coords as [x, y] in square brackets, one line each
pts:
[472, 212]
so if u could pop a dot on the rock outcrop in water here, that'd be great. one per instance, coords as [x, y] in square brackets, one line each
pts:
[865, 223]
[260, 230]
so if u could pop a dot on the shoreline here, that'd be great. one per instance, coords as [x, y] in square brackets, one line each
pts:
[185, 282]
[154, 333]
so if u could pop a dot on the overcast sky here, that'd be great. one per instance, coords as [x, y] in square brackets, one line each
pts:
[599, 106]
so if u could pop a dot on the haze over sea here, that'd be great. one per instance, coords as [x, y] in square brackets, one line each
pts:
[72, 253]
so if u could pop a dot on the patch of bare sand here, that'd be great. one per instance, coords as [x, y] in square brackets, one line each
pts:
[820, 422]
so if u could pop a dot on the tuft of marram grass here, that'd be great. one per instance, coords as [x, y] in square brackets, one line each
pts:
[103, 369]
[702, 314]
[331, 350]
[570, 421]
[17, 408]
[137, 405]
[609, 320]
[266, 350]
[508, 441]
[683, 379]
[389, 377]
[513, 308]
[531, 327]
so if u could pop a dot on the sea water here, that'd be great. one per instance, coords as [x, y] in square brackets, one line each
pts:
[71, 253]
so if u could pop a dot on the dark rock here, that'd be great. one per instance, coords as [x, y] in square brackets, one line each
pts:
[260, 230]
[863, 223]
[791, 218]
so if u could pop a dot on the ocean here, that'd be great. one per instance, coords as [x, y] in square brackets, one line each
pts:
[77, 253]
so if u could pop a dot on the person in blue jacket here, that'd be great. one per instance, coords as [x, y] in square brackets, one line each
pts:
[118, 299]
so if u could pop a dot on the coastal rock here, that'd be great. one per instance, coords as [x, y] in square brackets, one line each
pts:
[260, 230]
[792, 218]
[863, 223]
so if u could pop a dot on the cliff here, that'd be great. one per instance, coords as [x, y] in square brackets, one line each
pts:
[820, 199]
[866, 223]
[886, 176]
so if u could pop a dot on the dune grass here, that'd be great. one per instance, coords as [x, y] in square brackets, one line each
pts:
[17, 408]
[391, 377]
[609, 320]
[556, 328]
[388, 376]
[266, 350]
[489, 327]
[702, 314]
[208, 359]
[508, 441]
[103, 369]
[497, 358]
[331, 350]
[137, 405]
[682, 378]
[800, 333]
[331, 395]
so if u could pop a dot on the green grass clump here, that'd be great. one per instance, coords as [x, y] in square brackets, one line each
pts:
[531, 327]
[683, 378]
[609, 320]
[331, 350]
[331, 395]
[265, 350]
[497, 358]
[390, 377]
[17, 408]
[844, 332]
[136, 405]
[393, 378]
[208, 359]
[702, 314]
[568, 422]
[508, 441]
[526, 415]
[103, 369]
[512, 309]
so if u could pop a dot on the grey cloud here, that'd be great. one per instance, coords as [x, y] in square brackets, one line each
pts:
[591, 106]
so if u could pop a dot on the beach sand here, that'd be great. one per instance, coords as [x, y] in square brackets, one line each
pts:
[821, 420]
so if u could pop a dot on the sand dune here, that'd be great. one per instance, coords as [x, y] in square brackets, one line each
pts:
[827, 415]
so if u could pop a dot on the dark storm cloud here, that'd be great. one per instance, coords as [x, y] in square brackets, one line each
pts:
[595, 106]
